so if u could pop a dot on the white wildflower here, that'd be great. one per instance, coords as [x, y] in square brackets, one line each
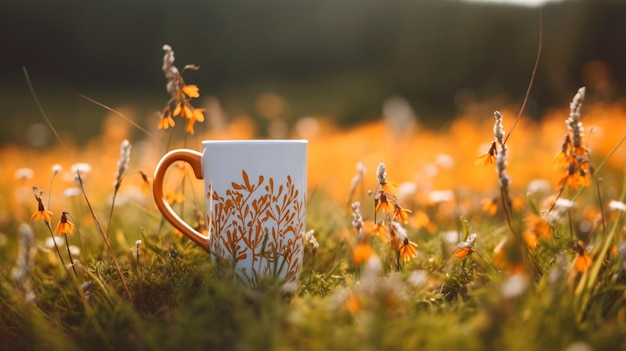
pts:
[309, 237]
[617, 206]
[24, 173]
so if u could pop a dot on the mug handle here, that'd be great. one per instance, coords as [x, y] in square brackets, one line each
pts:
[194, 159]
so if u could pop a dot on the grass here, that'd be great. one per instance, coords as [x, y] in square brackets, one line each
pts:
[487, 274]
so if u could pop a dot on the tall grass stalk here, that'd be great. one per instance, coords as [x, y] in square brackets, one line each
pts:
[78, 179]
[589, 282]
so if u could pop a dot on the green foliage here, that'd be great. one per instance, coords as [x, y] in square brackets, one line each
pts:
[166, 293]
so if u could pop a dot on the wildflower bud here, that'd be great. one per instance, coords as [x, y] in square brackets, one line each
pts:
[498, 128]
[381, 174]
[56, 168]
[309, 237]
[122, 164]
[171, 72]
[573, 121]
[357, 219]
[577, 103]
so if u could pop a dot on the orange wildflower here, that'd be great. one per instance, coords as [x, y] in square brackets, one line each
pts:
[465, 248]
[562, 158]
[579, 150]
[378, 229]
[537, 227]
[198, 114]
[407, 250]
[390, 188]
[189, 127]
[490, 205]
[184, 109]
[507, 255]
[181, 93]
[488, 158]
[362, 252]
[400, 242]
[383, 203]
[401, 213]
[420, 220]
[64, 226]
[191, 90]
[41, 212]
[498, 254]
[175, 197]
[145, 187]
[354, 303]
[575, 177]
[384, 185]
[166, 120]
[531, 239]
[463, 252]
[582, 260]
[518, 202]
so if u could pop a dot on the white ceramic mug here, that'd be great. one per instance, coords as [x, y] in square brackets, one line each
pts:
[255, 203]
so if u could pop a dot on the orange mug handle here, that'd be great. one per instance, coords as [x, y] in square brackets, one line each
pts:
[194, 159]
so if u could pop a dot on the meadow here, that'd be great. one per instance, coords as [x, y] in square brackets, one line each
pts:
[476, 236]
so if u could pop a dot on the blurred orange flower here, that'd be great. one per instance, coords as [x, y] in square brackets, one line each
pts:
[407, 250]
[362, 252]
[508, 256]
[64, 226]
[166, 121]
[401, 213]
[465, 248]
[575, 178]
[175, 197]
[488, 158]
[41, 212]
[383, 203]
[537, 227]
[377, 229]
[490, 205]
[145, 187]
[582, 260]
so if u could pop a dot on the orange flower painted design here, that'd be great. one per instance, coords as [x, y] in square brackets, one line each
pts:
[259, 225]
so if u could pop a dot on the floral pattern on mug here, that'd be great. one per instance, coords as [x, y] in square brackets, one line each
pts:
[258, 225]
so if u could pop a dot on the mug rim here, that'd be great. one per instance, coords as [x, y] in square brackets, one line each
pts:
[256, 141]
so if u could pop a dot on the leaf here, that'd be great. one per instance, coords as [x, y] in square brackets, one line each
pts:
[270, 215]
[245, 179]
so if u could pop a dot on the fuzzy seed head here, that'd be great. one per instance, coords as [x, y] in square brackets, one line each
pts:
[122, 164]
[381, 174]
[573, 121]
[171, 72]
[498, 128]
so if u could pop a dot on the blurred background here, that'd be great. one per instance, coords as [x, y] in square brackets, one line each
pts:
[341, 60]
